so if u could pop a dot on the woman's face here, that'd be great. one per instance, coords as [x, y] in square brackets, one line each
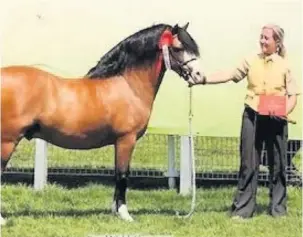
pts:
[267, 43]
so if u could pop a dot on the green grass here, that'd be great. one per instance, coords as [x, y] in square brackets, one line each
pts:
[60, 212]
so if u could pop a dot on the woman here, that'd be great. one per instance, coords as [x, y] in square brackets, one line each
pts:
[267, 74]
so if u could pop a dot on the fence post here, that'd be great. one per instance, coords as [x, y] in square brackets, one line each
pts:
[40, 172]
[171, 162]
[185, 166]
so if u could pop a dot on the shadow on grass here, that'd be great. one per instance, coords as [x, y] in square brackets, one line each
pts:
[135, 183]
[83, 213]
[261, 209]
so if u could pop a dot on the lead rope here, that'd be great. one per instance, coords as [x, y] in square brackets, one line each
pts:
[192, 158]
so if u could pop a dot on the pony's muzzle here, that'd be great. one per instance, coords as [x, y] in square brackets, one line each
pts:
[196, 75]
[196, 78]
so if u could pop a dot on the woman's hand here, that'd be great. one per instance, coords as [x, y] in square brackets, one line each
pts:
[203, 82]
[291, 103]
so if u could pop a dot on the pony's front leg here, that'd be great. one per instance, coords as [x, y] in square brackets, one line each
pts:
[123, 151]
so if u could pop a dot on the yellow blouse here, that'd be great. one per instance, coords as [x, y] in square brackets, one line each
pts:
[269, 75]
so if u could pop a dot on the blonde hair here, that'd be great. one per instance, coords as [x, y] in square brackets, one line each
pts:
[278, 35]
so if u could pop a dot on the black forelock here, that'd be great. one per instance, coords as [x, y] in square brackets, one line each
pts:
[188, 42]
[137, 50]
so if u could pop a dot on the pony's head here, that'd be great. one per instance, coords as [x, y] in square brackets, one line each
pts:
[183, 54]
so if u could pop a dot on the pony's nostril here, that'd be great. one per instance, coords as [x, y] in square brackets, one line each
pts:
[198, 73]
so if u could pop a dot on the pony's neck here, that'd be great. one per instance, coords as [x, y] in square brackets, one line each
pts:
[145, 81]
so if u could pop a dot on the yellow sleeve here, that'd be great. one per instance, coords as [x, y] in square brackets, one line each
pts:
[241, 71]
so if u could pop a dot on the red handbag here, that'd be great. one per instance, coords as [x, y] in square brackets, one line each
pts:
[271, 103]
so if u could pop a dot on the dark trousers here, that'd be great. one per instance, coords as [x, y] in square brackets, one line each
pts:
[256, 130]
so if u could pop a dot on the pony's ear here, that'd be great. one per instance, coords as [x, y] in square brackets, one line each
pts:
[185, 26]
[175, 29]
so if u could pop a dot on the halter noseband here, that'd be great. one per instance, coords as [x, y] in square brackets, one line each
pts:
[183, 71]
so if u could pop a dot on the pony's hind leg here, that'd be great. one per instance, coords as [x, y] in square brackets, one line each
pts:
[123, 151]
[7, 149]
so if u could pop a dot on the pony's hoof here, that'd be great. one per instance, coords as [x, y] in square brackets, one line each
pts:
[123, 213]
[2, 221]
